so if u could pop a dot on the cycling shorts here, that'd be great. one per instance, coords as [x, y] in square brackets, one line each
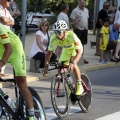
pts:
[17, 60]
[66, 55]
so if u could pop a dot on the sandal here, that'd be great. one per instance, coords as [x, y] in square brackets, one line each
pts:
[116, 57]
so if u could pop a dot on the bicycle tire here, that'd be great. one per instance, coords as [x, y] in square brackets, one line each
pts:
[38, 106]
[5, 115]
[60, 109]
[85, 100]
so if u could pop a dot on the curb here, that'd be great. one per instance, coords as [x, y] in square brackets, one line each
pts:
[53, 73]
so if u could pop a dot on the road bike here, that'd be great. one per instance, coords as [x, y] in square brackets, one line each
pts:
[63, 92]
[18, 110]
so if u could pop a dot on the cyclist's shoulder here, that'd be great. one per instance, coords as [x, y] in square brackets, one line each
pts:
[53, 37]
[70, 34]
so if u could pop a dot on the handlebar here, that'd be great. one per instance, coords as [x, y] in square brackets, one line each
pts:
[6, 79]
[58, 65]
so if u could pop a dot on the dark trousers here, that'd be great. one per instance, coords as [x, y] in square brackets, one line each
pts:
[41, 56]
[82, 35]
[111, 46]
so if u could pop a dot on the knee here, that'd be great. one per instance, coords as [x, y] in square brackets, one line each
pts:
[21, 83]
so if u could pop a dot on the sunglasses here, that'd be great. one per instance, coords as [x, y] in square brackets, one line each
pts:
[44, 25]
[57, 32]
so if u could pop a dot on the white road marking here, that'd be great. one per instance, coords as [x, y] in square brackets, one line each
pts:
[114, 116]
[52, 115]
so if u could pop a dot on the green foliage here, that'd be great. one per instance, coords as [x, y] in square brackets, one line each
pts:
[53, 5]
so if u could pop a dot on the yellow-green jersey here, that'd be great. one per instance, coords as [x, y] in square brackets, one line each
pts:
[71, 41]
[17, 58]
[69, 44]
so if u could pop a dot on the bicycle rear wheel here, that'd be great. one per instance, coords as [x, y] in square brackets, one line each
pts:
[85, 99]
[59, 97]
[38, 106]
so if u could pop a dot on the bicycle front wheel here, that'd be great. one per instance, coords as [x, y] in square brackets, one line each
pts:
[4, 114]
[38, 106]
[85, 99]
[60, 97]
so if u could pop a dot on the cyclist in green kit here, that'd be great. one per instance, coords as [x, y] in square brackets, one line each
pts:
[71, 52]
[11, 51]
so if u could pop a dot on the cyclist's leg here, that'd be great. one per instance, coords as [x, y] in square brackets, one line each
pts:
[65, 56]
[19, 64]
[77, 75]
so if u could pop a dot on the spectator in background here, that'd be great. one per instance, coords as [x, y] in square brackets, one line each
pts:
[15, 12]
[101, 16]
[116, 55]
[104, 39]
[80, 28]
[117, 17]
[112, 10]
[13, 9]
[62, 16]
[5, 18]
[113, 39]
[39, 47]
[117, 20]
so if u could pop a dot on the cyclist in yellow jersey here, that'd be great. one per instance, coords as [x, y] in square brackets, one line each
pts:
[11, 50]
[71, 52]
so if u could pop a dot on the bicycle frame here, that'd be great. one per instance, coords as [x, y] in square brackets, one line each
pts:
[64, 78]
[4, 103]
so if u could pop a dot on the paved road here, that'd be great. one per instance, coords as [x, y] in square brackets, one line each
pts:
[106, 96]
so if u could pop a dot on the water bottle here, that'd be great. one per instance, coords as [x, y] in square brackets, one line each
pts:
[9, 101]
[70, 79]
[70, 82]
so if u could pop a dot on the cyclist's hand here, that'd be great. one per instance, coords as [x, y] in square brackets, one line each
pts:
[70, 68]
[44, 71]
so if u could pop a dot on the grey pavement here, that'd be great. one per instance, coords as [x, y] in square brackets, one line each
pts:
[88, 55]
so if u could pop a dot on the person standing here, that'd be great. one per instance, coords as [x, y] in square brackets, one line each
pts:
[101, 16]
[15, 12]
[104, 39]
[62, 16]
[117, 16]
[80, 28]
[5, 18]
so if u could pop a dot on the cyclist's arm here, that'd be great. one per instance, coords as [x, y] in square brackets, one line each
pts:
[7, 53]
[78, 48]
[78, 56]
[51, 48]
[47, 57]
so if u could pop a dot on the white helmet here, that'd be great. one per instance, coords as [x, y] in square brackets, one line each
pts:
[60, 25]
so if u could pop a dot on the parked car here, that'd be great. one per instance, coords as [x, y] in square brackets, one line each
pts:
[33, 19]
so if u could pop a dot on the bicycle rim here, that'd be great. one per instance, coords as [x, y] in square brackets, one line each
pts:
[5, 114]
[85, 100]
[59, 98]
